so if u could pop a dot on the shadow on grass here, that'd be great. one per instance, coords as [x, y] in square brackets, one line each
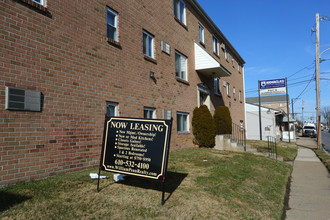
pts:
[8, 199]
[173, 181]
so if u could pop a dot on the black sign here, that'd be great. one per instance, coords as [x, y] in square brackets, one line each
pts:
[136, 146]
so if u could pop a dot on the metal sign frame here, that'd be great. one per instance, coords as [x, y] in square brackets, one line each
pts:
[137, 147]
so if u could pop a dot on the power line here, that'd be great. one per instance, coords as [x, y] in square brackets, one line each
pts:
[306, 67]
[306, 86]
[291, 85]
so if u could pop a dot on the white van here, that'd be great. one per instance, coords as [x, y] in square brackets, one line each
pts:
[309, 130]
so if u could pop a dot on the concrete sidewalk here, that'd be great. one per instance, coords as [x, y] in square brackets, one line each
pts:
[310, 185]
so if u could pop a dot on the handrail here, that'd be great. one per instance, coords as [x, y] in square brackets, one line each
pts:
[272, 147]
[238, 135]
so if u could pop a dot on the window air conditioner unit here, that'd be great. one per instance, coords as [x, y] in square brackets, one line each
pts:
[23, 99]
[223, 46]
[166, 48]
[167, 114]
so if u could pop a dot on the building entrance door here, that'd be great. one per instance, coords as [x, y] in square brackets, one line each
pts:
[203, 95]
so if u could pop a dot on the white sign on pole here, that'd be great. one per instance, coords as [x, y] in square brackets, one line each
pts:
[273, 91]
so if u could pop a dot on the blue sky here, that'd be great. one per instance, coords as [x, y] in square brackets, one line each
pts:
[274, 38]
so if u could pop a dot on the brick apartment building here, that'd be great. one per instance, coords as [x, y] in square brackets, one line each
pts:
[64, 64]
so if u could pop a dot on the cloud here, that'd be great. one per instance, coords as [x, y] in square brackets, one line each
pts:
[261, 70]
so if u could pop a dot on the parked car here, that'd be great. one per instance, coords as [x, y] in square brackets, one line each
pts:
[309, 130]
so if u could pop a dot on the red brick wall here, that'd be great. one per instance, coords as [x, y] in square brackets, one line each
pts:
[65, 55]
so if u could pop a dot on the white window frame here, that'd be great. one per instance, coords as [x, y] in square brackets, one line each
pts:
[184, 126]
[181, 71]
[201, 33]
[216, 85]
[148, 48]
[239, 67]
[112, 104]
[40, 2]
[180, 10]
[228, 89]
[115, 26]
[151, 113]
[232, 60]
[215, 45]
[226, 54]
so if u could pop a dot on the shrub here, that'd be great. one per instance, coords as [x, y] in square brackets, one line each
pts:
[222, 120]
[203, 127]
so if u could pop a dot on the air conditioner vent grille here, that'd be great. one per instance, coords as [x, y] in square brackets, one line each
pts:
[23, 99]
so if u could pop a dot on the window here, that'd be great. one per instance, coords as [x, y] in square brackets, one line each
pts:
[40, 2]
[148, 44]
[181, 66]
[240, 96]
[180, 10]
[215, 45]
[232, 60]
[239, 67]
[217, 86]
[201, 33]
[112, 24]
[112, 109]
[182, 122]
[234, 93]
[149, 112]
[226, 54]
[280, 105]
[228, 89]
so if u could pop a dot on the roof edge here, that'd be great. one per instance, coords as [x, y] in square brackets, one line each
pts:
[200, 10]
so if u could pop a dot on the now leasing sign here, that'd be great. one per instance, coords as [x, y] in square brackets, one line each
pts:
[136, 147]
[272, 87]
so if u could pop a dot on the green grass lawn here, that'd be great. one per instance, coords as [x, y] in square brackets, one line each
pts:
[324, 157]
[284, 149]
[201, 184]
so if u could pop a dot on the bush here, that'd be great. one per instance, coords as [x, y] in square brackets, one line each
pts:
[203, 127]
[222, 120]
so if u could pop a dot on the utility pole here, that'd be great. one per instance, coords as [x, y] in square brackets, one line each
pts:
[287, 107]
[292, 108]
[302, 110]
[317, 72]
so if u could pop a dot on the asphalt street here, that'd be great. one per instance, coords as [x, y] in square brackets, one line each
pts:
[326, 140]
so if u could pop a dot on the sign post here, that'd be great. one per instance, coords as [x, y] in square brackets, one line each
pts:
[260, 127]
[137, 147]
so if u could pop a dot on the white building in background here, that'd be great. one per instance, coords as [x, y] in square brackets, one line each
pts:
[268, 119]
